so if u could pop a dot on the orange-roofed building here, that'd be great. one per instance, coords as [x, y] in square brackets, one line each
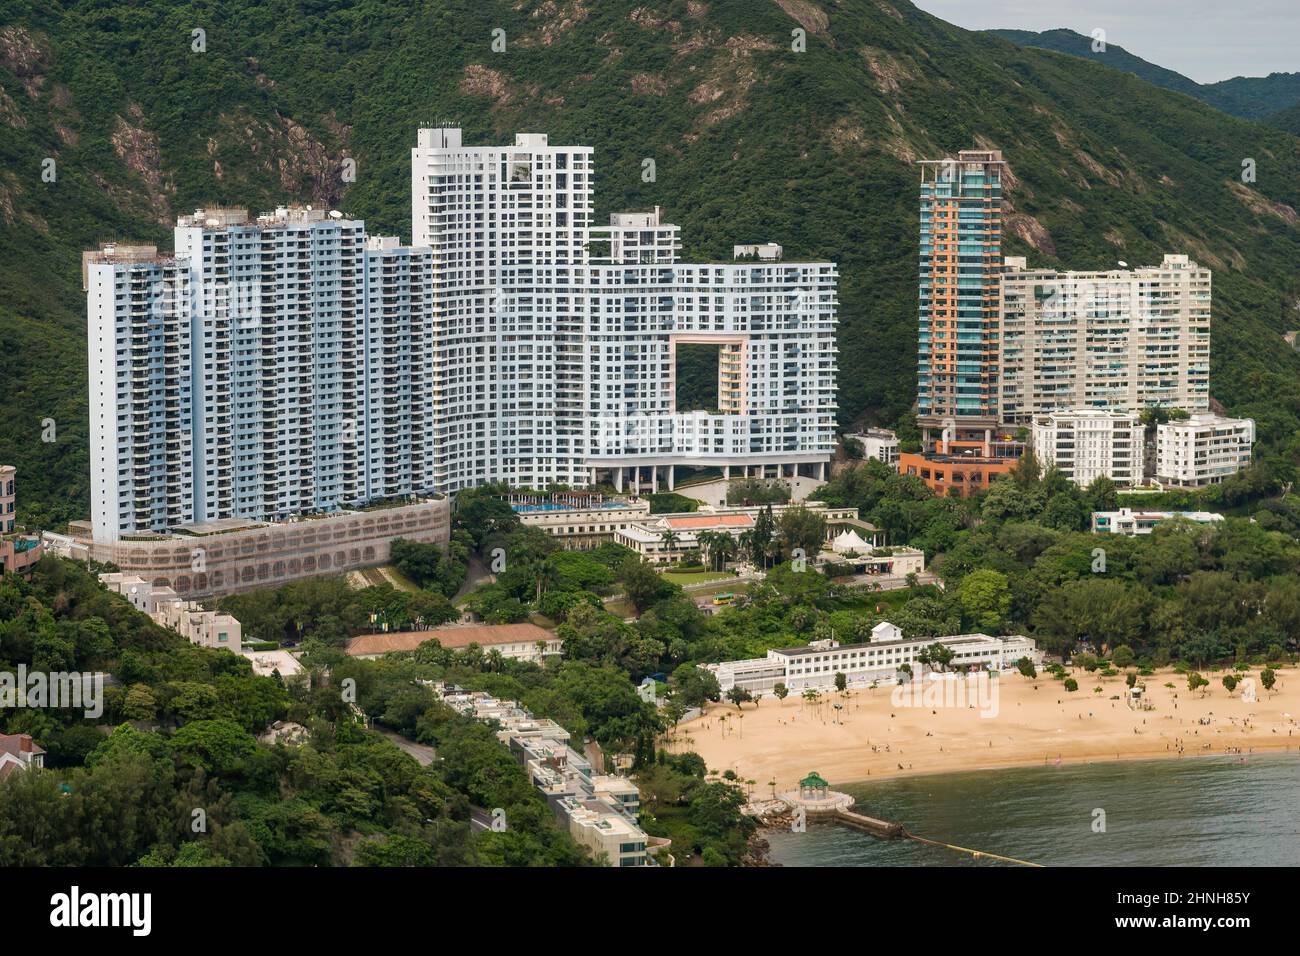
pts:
[710, 522]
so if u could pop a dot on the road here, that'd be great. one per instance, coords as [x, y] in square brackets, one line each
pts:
[423, 754]
[476, 574]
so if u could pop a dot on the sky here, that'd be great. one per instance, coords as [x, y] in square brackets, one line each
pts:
[1207, 40]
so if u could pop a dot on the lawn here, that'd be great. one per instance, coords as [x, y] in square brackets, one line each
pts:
[622, 608]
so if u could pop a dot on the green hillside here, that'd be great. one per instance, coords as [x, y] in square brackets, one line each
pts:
[751, 142]
[1287, 119]
[1252, 97]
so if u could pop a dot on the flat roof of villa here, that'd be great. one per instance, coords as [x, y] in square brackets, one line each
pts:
[948, 641]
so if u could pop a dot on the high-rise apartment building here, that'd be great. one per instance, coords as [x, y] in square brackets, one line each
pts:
[556, 361]
[141, 407]
[275, 320]
[507, 227]
[394, 414]
[961, 250]
[1123, 339]
[1000, 345]
[963, 446]
[287, 363]
[235, 379]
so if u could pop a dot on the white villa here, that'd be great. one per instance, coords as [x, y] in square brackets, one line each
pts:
[1129, 522]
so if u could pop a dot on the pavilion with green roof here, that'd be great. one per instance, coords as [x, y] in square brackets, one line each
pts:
[813, 787]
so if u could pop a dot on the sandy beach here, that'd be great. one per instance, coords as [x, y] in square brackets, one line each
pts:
[1036, 722]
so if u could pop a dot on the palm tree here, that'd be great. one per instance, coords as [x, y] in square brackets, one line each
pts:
[724, 546]
[545, 576]
[669, 538]
[707, 541]
[746, 542]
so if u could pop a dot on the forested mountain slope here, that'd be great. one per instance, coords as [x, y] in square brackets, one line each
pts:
[1251, 97]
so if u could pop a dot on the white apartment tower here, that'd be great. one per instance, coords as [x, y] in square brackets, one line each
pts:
[1124, 339]
[507, 227]
[141, 454]
[557, 364]
[276, 320]
[1089, 443]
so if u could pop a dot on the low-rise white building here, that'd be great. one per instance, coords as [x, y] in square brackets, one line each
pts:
[849, 547]
[605, 831]
[581, 523]
[667, 538]
[878, 443]
[186, 618]
[1089, 443]
[1202, 450]
[876, 661]
[1127, 521]
[598, 810]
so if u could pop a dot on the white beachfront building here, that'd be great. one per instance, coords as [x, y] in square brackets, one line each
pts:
[876, 661]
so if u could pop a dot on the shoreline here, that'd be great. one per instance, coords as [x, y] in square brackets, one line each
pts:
[1074, 763]
[866, 736]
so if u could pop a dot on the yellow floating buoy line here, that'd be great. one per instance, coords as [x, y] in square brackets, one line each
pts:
[975, 854]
